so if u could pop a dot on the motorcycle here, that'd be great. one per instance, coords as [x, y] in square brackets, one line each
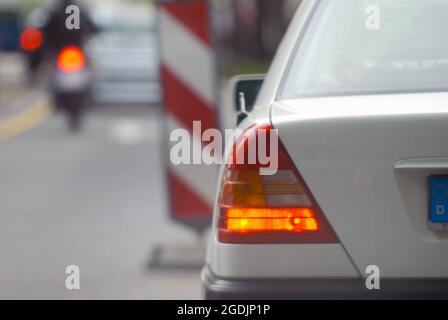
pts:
[71, 84]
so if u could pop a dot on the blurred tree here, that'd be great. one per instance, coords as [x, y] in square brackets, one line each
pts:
[246, 13]
[270, 26]
[260, 25]
[248, 32]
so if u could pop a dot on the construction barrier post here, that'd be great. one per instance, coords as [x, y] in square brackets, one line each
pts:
[189, 75]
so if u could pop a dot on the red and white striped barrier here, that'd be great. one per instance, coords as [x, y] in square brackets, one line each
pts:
[188, 71]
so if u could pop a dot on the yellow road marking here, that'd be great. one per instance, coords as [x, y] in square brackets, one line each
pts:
[25, 119]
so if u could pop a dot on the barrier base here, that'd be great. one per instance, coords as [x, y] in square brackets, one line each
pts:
[181, 256]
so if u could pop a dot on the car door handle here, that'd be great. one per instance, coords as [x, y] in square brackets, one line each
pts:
[422, 164]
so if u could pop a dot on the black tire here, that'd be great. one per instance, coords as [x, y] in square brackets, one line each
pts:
[74, 119]
[74, 107]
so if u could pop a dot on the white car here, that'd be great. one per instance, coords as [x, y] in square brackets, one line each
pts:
[125, 55]
[358, 207]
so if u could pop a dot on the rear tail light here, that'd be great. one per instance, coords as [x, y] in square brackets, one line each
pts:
[31, 39]
[71, 59]
[279, 208]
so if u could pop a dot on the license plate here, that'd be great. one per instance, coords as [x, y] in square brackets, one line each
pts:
[438, 203]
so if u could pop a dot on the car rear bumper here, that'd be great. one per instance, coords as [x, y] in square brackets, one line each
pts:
[215, 288]
[127, 92]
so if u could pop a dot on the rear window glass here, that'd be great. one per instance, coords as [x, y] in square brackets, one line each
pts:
[371, 46]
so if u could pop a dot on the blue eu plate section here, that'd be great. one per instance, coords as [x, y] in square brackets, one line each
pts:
[438, 199]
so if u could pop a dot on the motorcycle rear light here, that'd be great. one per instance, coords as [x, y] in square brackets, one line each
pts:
[31, 39]
[71, 59]
[278, 208]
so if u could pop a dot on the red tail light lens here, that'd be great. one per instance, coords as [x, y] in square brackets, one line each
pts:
[31, 39]
[276, 208]
[71, 59]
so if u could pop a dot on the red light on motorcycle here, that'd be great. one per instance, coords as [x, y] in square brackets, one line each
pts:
[71, 59]
[31, 39]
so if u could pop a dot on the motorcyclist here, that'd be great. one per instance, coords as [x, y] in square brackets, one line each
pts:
[57, 34]
[62, 33]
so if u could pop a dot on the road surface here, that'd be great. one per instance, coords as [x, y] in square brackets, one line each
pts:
[95, 200]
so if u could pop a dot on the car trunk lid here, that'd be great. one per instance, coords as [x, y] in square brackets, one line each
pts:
[349, 151]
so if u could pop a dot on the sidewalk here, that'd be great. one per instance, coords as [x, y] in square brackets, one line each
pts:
[15, 93]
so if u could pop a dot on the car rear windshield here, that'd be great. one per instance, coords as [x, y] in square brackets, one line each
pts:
[354, 47]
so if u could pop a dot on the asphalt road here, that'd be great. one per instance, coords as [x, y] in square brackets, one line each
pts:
[95, 200]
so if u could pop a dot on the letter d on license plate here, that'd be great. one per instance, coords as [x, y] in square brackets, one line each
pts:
[438, 203]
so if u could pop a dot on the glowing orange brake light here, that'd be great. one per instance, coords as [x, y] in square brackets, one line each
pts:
[271, 219]
[277, 208]
[71, 59]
